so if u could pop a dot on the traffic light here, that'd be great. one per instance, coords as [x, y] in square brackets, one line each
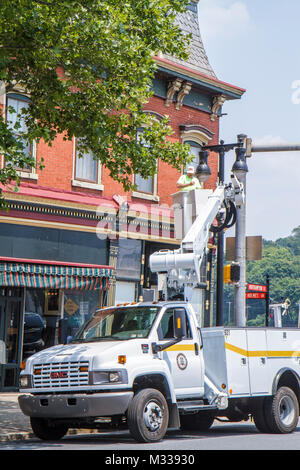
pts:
[231, 273]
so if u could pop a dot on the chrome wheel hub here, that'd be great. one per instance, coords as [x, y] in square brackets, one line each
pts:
[286, 410]
[153, 416]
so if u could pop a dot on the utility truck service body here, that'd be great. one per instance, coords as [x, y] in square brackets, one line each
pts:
[145, 377]
[150, 367]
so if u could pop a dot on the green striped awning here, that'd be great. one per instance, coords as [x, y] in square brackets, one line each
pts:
[54, 276]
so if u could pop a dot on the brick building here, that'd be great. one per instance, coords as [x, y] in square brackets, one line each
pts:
[73, 240]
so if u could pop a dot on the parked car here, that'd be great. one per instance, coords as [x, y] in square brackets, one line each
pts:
[34, 329]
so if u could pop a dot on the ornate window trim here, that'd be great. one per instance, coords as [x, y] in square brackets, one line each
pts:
[195, 133]
[199, 134]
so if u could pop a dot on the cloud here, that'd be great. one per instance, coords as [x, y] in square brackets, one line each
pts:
[223, 19]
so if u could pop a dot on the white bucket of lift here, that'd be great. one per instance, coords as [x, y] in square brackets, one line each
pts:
[187, 206]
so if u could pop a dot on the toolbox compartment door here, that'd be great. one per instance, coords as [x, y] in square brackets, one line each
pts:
[258, 361]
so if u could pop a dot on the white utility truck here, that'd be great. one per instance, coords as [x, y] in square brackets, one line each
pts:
[150, 367]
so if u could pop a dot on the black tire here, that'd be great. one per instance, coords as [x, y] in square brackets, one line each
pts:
[196, 422]
[43, 429]
[282, 411]
[148, 416]
[259, 416]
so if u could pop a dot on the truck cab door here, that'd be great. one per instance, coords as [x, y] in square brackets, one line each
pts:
[184, 359]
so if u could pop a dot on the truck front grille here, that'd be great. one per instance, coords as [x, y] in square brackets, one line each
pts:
[61, 374]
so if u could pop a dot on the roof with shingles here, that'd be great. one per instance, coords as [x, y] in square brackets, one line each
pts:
[189, 24]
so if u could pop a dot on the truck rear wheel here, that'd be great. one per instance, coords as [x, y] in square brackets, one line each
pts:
[43, 429]
[282, 411]
[259, 417]
[148, 416]
[196, 422]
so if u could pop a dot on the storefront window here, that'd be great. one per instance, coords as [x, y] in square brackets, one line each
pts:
[129, 259]
[53, 302]
[12, 337]
[78, 307]
[125, 292]
[35, 326]
[53, 315]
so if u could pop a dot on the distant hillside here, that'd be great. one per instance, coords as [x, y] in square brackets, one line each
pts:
[281, 260]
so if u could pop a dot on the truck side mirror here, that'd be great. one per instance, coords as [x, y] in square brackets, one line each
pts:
[179, 323]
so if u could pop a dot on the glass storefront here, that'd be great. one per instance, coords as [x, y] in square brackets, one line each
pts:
[35, 319]
[78, 307]
[52, 315]
[128, 270]
[129, 259]
[11, 327]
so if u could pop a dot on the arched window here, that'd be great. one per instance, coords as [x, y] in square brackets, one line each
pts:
[195, 149]
[196, 136]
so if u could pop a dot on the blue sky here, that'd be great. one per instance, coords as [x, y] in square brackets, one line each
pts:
[255, 44]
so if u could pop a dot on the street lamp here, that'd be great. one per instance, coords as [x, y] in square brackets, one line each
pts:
[240, 167]
[240, 170]
[203, 171]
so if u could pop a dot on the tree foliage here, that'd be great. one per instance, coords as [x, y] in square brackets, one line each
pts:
[281, 260]
[88, 67]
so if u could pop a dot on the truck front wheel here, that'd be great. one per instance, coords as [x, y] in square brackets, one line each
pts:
[148, 416]
[44, 429]
[282, 411]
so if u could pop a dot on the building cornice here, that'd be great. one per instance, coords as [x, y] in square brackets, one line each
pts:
[214, 84]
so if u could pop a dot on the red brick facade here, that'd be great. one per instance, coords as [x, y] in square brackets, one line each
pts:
[59, 159]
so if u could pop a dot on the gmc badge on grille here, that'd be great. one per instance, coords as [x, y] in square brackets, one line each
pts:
[58, 375]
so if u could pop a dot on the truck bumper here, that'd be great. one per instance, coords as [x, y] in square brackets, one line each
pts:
[75, 405]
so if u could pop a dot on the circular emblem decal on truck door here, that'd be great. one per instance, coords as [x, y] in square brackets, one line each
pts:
[182, 361]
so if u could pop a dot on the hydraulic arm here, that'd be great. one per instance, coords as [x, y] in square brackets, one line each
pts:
[181, 268]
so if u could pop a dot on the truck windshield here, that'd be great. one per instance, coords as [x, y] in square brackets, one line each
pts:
[118, 324]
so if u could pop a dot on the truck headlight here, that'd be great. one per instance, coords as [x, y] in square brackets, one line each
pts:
[114, 377]
[107, 377]
[25, 381]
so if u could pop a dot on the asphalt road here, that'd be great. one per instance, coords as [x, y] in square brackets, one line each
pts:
[227, 437]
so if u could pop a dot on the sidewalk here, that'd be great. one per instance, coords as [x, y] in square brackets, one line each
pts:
[15, 426]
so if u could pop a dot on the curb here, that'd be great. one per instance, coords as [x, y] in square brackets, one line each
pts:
[20, 436]
[23, 436]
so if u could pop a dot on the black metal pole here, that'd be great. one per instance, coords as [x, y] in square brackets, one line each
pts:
[221, 149]
[267, 299]
[220, 252]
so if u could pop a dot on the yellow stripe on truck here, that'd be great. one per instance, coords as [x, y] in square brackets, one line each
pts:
[181, 347]
[246, 353]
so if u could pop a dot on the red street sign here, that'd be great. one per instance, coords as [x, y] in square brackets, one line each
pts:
[257, 288]
[255, 295]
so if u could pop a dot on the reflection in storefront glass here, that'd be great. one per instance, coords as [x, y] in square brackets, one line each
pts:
[44, 318]
[53, 300]
[13, 319]
[78, 308]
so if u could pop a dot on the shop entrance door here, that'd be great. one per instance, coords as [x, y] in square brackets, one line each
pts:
[11, 334]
